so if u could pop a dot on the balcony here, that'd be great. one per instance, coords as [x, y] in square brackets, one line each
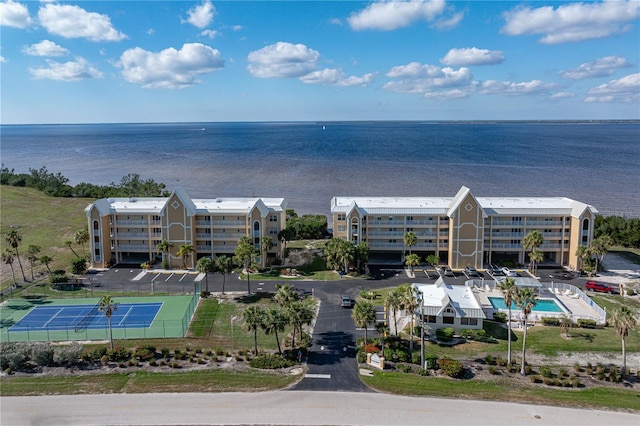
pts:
[240, 223]
[506, 246]
[132, 222]
[386, 222]
[133, 247]
[385, 234]
[203, 248]
[136, 235]
[224, 249]
[545, 223]
[228, 235]
[506, 234]
[380, 244]
[203, 222]
[203, 235]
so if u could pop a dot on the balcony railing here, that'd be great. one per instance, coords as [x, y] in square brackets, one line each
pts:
[203, 222]
[131, 222]
[139, 235]
[229, 223]
[224, 249]
[133, 247]
[545, 223]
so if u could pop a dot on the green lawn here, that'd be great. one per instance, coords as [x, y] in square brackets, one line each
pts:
[630, 254]
[41, 220]
[502, 390]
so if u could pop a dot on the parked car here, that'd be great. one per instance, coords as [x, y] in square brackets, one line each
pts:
[471, 271]
[449, 273]
[345, 301]
[600, 287]
[494, 269]
[508, 272]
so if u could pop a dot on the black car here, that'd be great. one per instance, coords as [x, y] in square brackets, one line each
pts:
[471, 271]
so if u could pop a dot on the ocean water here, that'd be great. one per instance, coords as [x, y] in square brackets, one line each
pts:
[308, 163]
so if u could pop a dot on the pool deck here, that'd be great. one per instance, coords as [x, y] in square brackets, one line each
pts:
[575, 307]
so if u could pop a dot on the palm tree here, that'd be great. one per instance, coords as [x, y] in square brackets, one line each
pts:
[32, 253]
[204, 266]
[285, 295]
[108, 306]
[410, 303]
[382, 328]
[412, 260]
[299, 314]
[284, 236]
[69, 243]
[509, 291]
[345, 254]
[565, 324]
[184, 251]
[164, 247]
[363, 314]
[532, 240]
[253, 319]
[410, 240]
[266, 244]
[225, 266]
[7, 259]
[46, 260]
[339, 254]
[244, 255]
[393, 303]
[599, 247]
[81, 237]
[536, 256]
[274, 322]
[526, 300]
[13, 238]
[361, 255]
[582, 252]
[623, 321]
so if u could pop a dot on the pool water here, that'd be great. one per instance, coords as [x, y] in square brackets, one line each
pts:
[543, 305]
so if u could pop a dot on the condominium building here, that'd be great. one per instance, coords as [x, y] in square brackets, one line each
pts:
[128, 230]
[465, 230]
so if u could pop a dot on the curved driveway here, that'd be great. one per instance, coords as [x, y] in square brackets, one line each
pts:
[289, 408]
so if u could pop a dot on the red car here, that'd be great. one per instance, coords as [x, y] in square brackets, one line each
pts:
[599, 287]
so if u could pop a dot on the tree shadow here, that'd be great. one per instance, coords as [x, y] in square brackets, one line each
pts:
[6, 323]
[329, 348]
[589, 337]
[254, 297]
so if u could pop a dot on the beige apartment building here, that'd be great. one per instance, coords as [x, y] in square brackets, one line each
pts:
[465, 230]
[128, 230]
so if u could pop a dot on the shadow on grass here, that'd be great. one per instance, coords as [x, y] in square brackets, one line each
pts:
[254, 297]
[589, 337]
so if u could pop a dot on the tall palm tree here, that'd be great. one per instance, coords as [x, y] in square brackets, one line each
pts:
[536, 256]
[284, 236]
[382, 328]
[509, 291]
[245, 251]
[7, 259]
[410, 240]
[526, 300]
[345, 254]
[412, 260]
[532, 240]
[623, 321]
[32, 256]
[184, 251]
[13, 238]
[410, 303]
[274, 322]
[108, 306]
[393, 303]
[599, 247]
[81, 237]
[285, 295]
[363, 314]
[361, 255]
[225, 266]
[164, 247]
[69, 243]
[46, 260]
[204, 266]
[582, 252]
[253, 319]
[299, 314]
[266, 244]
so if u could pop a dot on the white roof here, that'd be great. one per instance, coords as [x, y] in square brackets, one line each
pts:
[439, 295]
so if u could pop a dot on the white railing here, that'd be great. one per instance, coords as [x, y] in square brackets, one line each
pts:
[601, 317]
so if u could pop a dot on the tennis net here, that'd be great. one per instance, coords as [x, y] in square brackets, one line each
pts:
[84, 322]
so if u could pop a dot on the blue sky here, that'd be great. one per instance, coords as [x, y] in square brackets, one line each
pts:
[159, 61]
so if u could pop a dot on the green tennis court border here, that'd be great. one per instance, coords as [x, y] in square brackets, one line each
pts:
[172, 320]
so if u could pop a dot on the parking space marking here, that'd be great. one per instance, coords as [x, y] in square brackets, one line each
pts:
[317, 376]
[169, 277]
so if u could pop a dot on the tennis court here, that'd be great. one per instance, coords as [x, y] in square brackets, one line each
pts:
[132, 315]
[43, 319]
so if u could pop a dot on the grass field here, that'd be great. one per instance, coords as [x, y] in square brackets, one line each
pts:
[41, 220]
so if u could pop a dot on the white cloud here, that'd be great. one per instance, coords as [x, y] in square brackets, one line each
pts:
[74, 22]
[391, 15]
[572, 22]
[429, 80]
[202, 15]
[2, 59]
[76, 70]
[210, 33]
[282, 60]
[336, 77]
[237, 27]
[169, 68]
[602, 67]
[13, 14]
[151, 31]
[472, 56]
[533, 87]
[45, 48]
[447, 24]
[625, 89]
[561, 95]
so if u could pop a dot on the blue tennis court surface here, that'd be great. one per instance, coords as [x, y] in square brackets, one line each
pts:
[64, 317]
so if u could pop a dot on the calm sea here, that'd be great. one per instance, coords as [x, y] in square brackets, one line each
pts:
[308, 163]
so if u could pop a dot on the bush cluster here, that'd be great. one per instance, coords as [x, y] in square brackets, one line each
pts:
[445, 334]
[586, 323]
[26, 355]
[553, 322]
[270, 362]
[451, 367]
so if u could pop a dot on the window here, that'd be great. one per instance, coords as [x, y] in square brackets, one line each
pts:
[156, 217]
[448, 320]
[409, 218]
[585, 225]
[468, 321]
[409, 230]
[273, 218]
[342, 228]
[273, 230]
[516, 219]
[95, 225]
[392, 241]
[342, 217]
[431, 319]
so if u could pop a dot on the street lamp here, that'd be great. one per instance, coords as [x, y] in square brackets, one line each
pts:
[421, 299]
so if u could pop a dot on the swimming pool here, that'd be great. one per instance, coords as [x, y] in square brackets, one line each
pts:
[543, 305]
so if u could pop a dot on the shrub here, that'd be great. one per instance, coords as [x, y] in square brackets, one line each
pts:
[500, 317]
[489, 359]
[42, 353]
[402, 355]
[104, 360]
[119, 354]
[630, 292]
[586, 323]
[362, 357]
[405, 368]
[535, 379]
[371, 348]
[145, 353]
[388, 353]
[492, 369]
[546, 372]
[14, 356]
[416, 357]
[576, 383]
[67, 355]
[576, 367]
[423, 372]
[445, 334]
[451, 367]
[270, 362]
[98, 353]
[552, 322]
[165, 352]
[431, 361]
[153, 363]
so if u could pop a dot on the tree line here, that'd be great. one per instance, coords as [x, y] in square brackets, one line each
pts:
[623, 231]
[56, 185]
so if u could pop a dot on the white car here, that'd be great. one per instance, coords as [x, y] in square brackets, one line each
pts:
[508, 272]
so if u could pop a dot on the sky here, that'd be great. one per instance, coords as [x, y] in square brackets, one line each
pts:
[208, 61]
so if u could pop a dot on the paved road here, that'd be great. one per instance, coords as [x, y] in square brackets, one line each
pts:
[289, 408]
